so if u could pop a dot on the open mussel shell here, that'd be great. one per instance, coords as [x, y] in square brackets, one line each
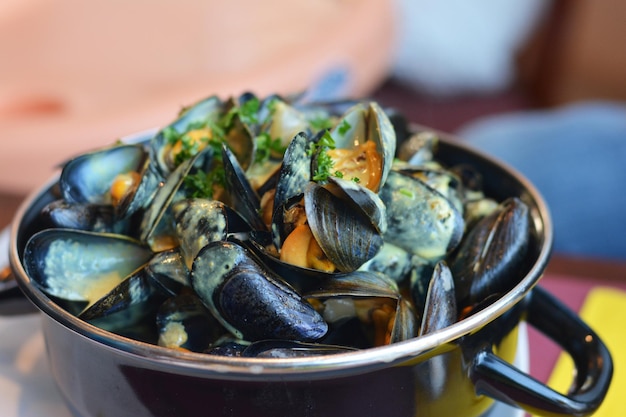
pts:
[286, 122]
[406, 322]
[328, 217]
[88, 177]
[81, 266]
[295, 171]
[133, 302]
[420, 219]
[140, 195]
[493, 255]
[201, 114]
[368, 122]
[363, 309]
[152, 225]
[137, 289]
[251, 301]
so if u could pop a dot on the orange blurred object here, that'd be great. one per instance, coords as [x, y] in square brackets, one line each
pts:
[76, 75]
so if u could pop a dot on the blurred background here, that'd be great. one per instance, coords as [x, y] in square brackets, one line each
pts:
[538, 83]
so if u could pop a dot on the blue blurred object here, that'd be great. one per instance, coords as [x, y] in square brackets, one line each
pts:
[576, 157]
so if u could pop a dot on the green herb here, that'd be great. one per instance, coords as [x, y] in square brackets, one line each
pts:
[324, 161]
[203, 184]
[265, 145]
[344, 127]
[189, 148]
[405, 192]
[327, 141]
[216, 146]
[219, 131]
[198, 185]
[320, 123]
[249, 110]
[170, 135]
[247, 113]
[356, 179]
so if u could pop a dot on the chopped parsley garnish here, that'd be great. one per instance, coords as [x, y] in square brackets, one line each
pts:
[212, 133]
[203, 184]
[216, 146]
[265, 145]
[344, 127]
[189, 147]
[219, 131]
[170, 135]
[198, 185]
[321, 123]
[324, 161]
[247, 113]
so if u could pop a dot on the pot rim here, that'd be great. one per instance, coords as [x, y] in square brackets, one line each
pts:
[409, 351]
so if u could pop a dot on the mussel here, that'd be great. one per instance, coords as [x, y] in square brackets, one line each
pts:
[276, 228]
[250, 300]
[80, 267]
[492, 257]
[420, 219]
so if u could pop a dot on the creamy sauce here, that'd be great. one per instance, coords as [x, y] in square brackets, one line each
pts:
[100, 286]
[420, 221]
[173, 335]
[391, 260]
[76, 271]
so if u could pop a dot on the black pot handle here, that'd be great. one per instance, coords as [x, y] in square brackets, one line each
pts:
[500, 380]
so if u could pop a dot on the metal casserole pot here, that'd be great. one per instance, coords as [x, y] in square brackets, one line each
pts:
[458, 371]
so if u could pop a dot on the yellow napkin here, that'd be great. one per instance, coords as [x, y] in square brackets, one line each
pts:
[602, 311]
